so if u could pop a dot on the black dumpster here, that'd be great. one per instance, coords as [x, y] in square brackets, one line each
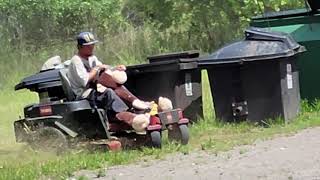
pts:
[174, 75]
[255, 79]
[304, 26]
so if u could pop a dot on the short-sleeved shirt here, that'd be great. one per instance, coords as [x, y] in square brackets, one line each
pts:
[78, 72]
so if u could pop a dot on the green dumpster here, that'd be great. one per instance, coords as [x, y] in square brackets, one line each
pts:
[304, 27]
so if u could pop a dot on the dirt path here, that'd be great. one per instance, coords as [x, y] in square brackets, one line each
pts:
[295, 157]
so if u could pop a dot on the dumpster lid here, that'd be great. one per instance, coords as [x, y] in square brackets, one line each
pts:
[161, 66]
[175, 61]
[259, 44]
[282, 14]
[175, 56]
[313, 4]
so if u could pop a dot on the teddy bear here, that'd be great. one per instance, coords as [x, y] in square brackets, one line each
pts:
[141, 121]
[165, 104]
[113, 78]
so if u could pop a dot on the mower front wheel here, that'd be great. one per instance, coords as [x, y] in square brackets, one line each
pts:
[179, 133]
[155, 139]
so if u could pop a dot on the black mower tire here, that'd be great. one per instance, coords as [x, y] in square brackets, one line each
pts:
[49, 139]
[155, 139]
[179, 133]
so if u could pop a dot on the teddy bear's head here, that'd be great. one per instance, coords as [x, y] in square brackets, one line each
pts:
[165, 104]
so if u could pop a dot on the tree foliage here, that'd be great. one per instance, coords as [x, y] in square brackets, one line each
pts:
[188, 24]
[37, 21]
[205, 24]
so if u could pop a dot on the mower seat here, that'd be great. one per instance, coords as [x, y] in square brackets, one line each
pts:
[66, 86]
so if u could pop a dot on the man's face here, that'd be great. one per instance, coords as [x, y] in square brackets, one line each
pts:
[87, 50]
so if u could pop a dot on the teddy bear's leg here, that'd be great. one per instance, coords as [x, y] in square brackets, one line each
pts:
[139, 122]
[107, 81]
[126, 117]
[125, 94]
[131, 99]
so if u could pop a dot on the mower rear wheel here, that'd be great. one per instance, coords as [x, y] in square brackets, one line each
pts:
[179, 133]
[155, 139]
[49, 139]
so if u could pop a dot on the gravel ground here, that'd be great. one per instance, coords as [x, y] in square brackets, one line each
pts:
[295, 157]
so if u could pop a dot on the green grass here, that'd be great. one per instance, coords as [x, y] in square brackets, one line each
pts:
[17, 161]
[11, 107]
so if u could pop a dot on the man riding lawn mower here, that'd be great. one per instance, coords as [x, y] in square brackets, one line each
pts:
[86, 100]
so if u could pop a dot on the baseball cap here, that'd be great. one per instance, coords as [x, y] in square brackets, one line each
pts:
[86, 38]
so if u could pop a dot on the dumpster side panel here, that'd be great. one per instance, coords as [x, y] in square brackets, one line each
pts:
[262, 90]
[222, 91]
[257, 83]
[188, 93]
[150, 86]
[182, 87]
[290, 89]
[309, 65]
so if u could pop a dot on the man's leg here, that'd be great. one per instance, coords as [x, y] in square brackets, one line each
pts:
[111, 101]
